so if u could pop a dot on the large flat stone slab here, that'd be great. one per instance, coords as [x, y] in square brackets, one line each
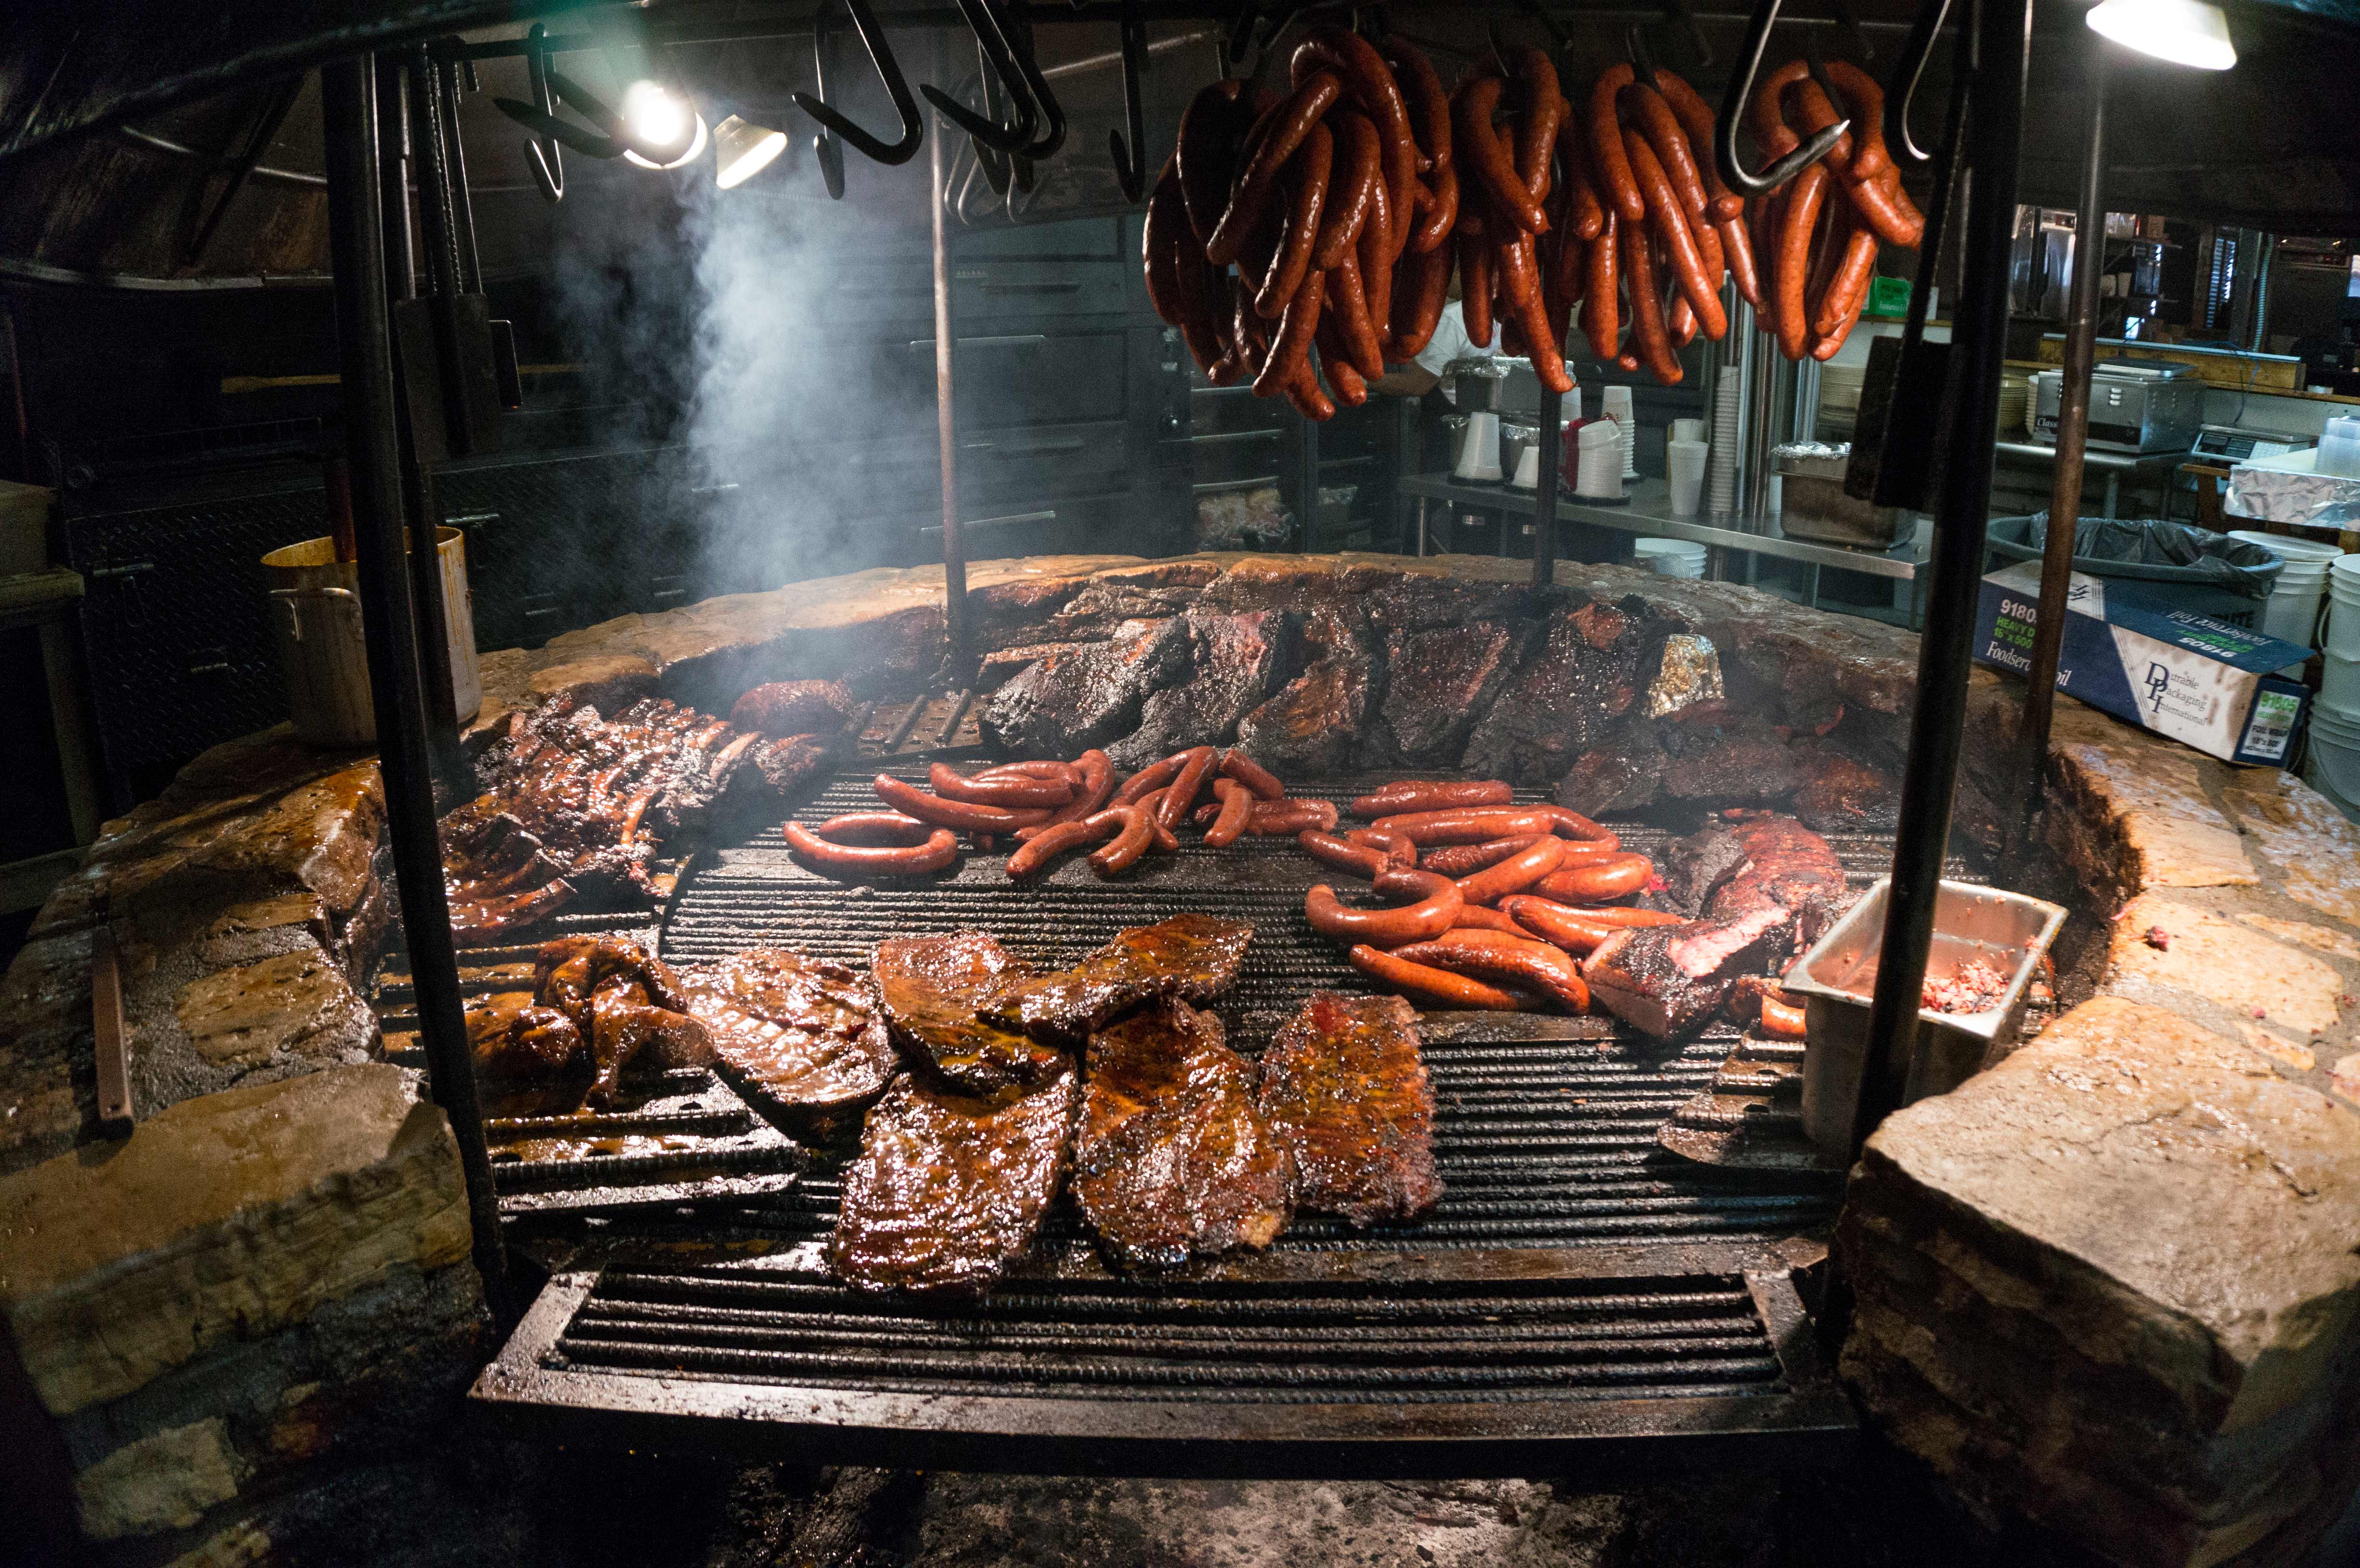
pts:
[224, 1218]
[2310, 846]
[2162, 940]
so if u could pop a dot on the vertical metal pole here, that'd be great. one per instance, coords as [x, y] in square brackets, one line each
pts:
[2000, 37]
[425, 515]
[1306, 481]
[393, 178]
[356, 245]
[946, 423]
[454, 157]
[2072, 436]
[1544, 499]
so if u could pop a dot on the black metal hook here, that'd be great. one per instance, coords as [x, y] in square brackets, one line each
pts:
[1907, 72]
[1853, 31]
[1733, 101]
[826, 149]
[1643, 59]
[1130, 162]
[611, 139]
[1044, 99]
[996, 165]
[544, 152]
[1000, 62]
[888, 70]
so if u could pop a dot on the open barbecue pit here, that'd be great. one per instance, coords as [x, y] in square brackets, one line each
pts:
[1578, 1285]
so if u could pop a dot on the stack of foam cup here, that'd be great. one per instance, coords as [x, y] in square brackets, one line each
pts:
[1614, 402]
[1728, 396]
[1599, 474]
[2292, 611]
[1684, 468]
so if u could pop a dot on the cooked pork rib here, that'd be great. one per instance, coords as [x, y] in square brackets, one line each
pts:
[1173, 1159]
[808, 1035]
[1194, 957]
[1345, 1093]
[949, 1190]
[930, 989]
[531, 1061]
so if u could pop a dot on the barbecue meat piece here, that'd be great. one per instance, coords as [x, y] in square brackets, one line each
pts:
[1314, 722]
[1232, 662]
[1570, 693]
[531, 1061]
[807, 1036]
[1732, 761]
[1438, 683]
[949, 1189]
[1669, 980]
[1070, 702]
[1173, 1159]
[1845, 796]
[930, 989]
[1693, 867]
[625, 1001]
[1789, 865]
[1194, 957]
[1624, 774]
[783, 708]
[1344, 1094]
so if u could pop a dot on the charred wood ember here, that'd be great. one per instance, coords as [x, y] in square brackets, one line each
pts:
[1172, 1161]
[1345, 1092]
[809, 1034]
[950, 1189]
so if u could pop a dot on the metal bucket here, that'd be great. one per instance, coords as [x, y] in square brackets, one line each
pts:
[1837, 980]
[316, 621]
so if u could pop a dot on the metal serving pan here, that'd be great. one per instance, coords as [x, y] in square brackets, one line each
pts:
[1837, 979]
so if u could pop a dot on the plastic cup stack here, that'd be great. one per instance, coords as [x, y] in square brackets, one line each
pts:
[1479, 459]
[1614, 402]
[1728, 396]
[1599, 448]
[1684, 464]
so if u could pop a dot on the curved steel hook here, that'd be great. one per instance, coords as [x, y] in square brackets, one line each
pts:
[546, 155]
[1044, 99]
[1643, 59]
[1131, 162]
[888, 70]
[996, 165]
[1907, 72]
[1733, 108]
[1000, 60]
[826, 149]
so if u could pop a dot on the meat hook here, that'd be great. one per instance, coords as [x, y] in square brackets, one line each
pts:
[998, 56]
[1131, 162]
[888, 70]
[1733, 108]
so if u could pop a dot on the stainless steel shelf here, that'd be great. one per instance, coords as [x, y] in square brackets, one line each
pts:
[1649, 512]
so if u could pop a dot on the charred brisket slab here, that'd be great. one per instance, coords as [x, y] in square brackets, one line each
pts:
[1193, 957]
[1345, 1093]
[1668, 980]
[930, 988]
[805, 1036]
[1069, 702]
[1233, 661]
[1568, 695]
[1172, 1161]
[1437, 682]
[949, 1190]
[1314, 722]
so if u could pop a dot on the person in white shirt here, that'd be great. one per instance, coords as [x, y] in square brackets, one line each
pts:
[1450, 341]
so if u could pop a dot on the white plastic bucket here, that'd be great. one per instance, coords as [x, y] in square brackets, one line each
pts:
[2333, 767]
[2341, 638]
[2339, 684]
[2291, 613]
[1669, 556]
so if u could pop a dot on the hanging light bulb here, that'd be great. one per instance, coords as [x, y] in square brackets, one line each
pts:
[742, 150]
[662, 121]
[2185, 32]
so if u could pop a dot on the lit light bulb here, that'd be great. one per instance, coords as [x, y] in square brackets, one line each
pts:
[662, 121]
[2185, 32]
[742, 150]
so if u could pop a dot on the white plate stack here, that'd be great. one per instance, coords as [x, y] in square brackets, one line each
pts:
[1721, 484]
[1668, 557]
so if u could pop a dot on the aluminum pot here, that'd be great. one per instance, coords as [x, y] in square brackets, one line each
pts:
[316, 621]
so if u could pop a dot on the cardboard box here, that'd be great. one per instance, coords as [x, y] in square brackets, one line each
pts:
[2187, 676]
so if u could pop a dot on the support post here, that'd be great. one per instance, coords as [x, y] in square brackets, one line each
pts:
[1998, 41]
[356, 245]
[2073, 437]
[1544, 499]
[947, 428]
[425, 517]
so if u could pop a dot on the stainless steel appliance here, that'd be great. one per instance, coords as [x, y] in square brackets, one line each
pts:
[2233, 444]
[2136, 405]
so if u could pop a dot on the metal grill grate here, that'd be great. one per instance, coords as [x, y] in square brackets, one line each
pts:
[1578, 1285]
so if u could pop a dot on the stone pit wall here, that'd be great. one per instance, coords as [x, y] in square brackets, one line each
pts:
[2108, 1286]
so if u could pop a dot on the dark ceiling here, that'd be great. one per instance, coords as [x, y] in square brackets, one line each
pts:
[94, 96]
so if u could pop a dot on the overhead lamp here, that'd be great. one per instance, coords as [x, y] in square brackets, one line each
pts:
[661, 121]
[742, 150]
[2185, 32]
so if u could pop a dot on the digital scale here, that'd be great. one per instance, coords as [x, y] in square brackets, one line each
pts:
[2230, 443]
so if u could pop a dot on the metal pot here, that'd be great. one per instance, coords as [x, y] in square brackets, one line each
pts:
[316, 621]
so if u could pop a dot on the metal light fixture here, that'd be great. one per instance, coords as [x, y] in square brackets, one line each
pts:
[742, 150]
[2185, 32]
[661, 121]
